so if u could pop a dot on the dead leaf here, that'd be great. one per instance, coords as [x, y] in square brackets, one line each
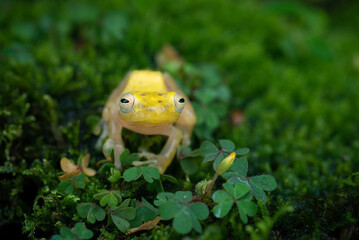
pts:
[145, 226]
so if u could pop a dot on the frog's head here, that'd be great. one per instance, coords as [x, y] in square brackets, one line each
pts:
[151, 107]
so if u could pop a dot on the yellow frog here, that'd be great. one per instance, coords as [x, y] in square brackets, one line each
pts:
[148, 102]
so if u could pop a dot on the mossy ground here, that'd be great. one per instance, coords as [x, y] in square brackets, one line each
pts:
[293, 74]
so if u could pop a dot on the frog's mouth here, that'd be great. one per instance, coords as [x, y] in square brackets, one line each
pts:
[151, 115]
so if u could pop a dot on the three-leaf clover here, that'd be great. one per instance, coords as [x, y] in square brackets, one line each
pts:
[122, 215]
[239, 194]
[78, 232]
[91, 211]
[148, 173]
[127, 159]
[185, 215]
[144, 212]
[258, 184]
[110, 198]
[70, 184]
[210, 152]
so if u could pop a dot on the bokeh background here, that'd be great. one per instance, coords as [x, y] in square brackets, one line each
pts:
[278, 77]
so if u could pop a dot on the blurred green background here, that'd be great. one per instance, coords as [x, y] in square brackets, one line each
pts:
[278, 77]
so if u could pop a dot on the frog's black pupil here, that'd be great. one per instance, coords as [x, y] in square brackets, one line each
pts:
[181, 100]
[124, 100]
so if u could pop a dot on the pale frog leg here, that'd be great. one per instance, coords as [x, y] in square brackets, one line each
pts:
[168, 152]
[115, 137]
[102, 125]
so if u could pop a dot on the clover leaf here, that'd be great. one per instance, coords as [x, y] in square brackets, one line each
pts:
[91, 212]
[227, 145]
[78, 232]
[185, 215]
[122, 215]
[258, 184]
[238, 193]
[148, 173]
[110, 198]
[210, 152]
[126, 158]
[164, 197]
[144, 212]
[69, 185]
[115, 175]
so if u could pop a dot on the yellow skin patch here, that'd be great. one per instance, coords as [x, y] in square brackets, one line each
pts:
[151, 103]
[152, 107]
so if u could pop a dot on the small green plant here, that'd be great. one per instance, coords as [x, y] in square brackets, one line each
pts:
[78, 232]
[76, 181]
[91, 211]
[148, 173]
[185, 214]
[185, 209]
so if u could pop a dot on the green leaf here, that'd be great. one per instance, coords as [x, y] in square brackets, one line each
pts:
[242, 151]
[209, 151]
[225, 202]
[82, 232]
[117, 194]
[189, 165]
[195, 223]
[106, 168]
[240, 166]
[258, 193]
[99, 213]
[115, 175]
[144, 213]
[168, 178]
[237, 190]
[66, 186]
[182, 223]
[127, 159]
[100, 195]
[67, 233]
[132, 174]
[163, 197]
[110, 200]
[249, 207]
[246, 208]
[125, 203]
[183, 196]
[79, 180]
[227, 145]
[169, 210]
[58, 237]
[83, 209]
[128, 213]
[266, 182]
[200, 210]
[120, 223]
[150, 173]
[242, 215]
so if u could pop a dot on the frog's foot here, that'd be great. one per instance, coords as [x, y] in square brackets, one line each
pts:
[186, 141]
[157, 161]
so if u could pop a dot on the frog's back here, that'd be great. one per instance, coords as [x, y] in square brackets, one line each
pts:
[145, 81]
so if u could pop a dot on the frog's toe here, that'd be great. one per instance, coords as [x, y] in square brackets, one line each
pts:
[147, 155]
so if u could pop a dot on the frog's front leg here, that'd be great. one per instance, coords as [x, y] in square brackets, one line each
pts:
[168, 152]
[114, 142]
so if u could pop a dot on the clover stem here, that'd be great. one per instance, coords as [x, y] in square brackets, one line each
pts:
[209, 187]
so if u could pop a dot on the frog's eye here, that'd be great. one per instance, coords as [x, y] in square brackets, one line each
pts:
[126, 102]
[179, 103]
